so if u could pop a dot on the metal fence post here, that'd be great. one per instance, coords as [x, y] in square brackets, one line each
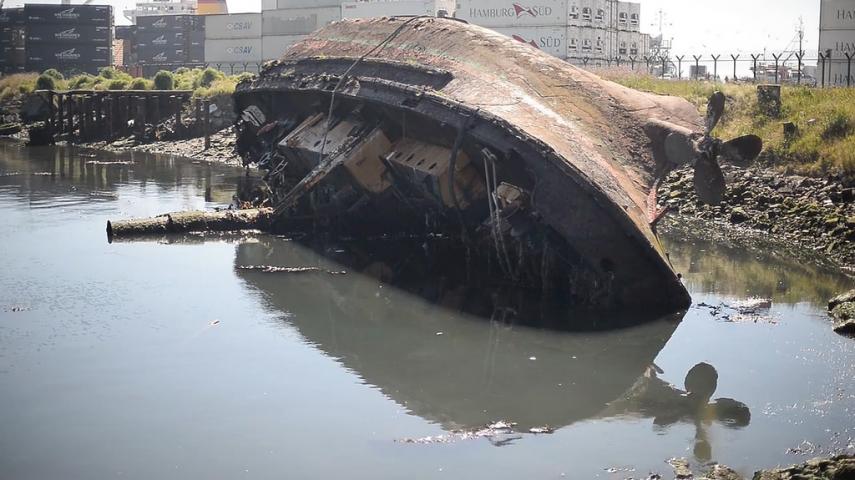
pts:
[800, 56]
[822, 62]
[207, 125]
[679, 66]
[849, 57]
[754, 58]
[697, 65]
[647, 61]
[735, 58]
[715, 67]
[632, 63]
[664, 65]
[777, 73]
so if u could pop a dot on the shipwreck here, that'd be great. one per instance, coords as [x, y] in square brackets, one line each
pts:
[543, 174]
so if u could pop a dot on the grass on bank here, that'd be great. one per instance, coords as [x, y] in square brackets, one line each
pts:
[205, 83]
[825, 119]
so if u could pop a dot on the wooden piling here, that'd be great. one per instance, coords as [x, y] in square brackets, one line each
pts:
[61, 112]
[155, 109]
[86, 123]
[98, 131]
[207, 125]
[109, 118]
[139, 121]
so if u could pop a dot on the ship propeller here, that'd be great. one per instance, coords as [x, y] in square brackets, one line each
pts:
[706, 153]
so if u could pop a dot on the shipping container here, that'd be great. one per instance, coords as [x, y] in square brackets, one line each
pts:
[154, 23]
[837, 15]
[268, 5]
[62, 54]
[126, 32]
[158, 56]
[837, 73]
[82, 57]
[13, 55]
[12, 16]
[233, 50]
[840, 42]
[196, 53]
[53, 33]
[298, 21]
[552, 40]
[574, 41]
[196, 39]
[285, 4]
[239, 25]
[69, 14]
[14, 36]
[390, 9]
[162, 39]
[273, 46]
[508, 13]
[634, 17]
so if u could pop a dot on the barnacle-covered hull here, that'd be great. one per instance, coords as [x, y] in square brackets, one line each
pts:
[541, 170]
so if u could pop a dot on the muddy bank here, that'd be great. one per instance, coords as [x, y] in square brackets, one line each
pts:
[221, 150]
[811, 218]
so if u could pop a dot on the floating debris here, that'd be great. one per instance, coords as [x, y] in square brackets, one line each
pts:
[499, 434]
[746, 311]
[272, 269]
[115, 163]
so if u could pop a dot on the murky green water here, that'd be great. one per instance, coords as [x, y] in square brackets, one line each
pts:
[165, 359]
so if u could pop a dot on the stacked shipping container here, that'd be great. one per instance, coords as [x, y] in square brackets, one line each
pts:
[285, 22]
[381, 8]
[570, 29]
[233, 42]
[169, 41]
[542, 25]
[13, 55]
[69, 38]
[837, 37]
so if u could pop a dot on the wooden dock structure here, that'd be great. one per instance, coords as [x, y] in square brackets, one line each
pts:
[82, 116]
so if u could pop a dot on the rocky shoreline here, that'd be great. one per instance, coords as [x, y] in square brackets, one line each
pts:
[811, 218]
[841, 467]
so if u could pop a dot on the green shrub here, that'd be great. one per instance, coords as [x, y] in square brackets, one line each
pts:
[224, 87]
[81, 81]
[208, 77]
[838, 126]
[54, 74]
[117, 85]
[46, 82]
[140, 84]
[164, 80]
[109, 73]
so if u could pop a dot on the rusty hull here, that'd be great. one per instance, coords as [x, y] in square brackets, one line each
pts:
[573, 142]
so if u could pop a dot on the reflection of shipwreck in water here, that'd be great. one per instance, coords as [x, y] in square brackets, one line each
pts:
[427, 125]
[436, 359]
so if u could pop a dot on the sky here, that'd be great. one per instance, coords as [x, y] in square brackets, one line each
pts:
[697, 27]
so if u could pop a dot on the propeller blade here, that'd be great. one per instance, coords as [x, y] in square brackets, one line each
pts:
[709, 181]
[679, 149]
[715, 109]
[741, 151]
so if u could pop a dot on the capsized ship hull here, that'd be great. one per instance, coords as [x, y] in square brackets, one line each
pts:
[449, 128]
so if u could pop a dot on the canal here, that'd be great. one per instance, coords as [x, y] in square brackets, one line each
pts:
[168, 358]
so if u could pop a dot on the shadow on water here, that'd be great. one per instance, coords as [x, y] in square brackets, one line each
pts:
[446, 348]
